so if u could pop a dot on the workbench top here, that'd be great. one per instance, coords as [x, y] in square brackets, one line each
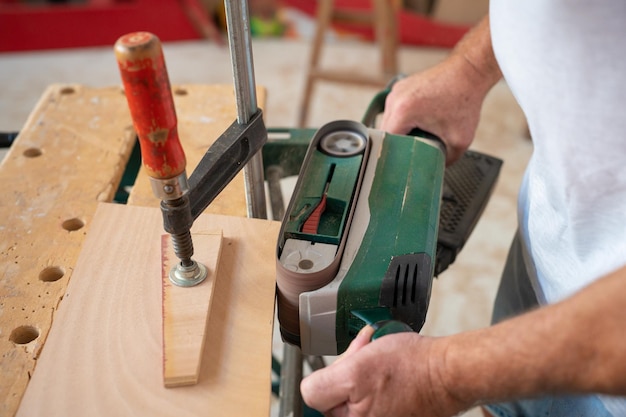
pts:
[69, 157]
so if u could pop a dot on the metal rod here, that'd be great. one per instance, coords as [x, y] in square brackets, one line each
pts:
[274, 174]
[315, 362]
[255, 187]
[239, 40]
[290, 377]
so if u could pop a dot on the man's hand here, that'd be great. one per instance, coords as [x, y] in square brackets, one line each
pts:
[395, 375]
[446, 99]
[438, 101]
[574, 346]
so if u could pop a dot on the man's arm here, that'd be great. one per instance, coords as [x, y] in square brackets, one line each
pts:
[575, 346]
[446, 99]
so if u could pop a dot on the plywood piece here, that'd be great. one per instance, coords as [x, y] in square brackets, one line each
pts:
[186, 310]
[103, 355]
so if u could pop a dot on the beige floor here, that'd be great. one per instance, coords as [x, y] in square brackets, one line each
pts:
[462, 296]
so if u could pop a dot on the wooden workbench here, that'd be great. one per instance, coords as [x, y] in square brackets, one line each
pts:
[69, 157]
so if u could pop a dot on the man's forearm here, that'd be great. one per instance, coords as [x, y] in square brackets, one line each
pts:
[476, 50]
[575, 346]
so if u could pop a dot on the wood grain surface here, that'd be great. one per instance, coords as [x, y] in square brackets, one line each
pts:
[70, 155]
[103, 355]
[186, 310]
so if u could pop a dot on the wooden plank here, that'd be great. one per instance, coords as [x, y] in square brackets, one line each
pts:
[103, 355]
[70, 155]
[186, 310]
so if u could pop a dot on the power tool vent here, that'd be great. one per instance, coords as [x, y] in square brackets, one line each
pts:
[467, 186]
[405, 284]
[406, 288]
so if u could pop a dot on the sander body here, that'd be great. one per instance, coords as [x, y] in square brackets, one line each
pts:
[359, 237]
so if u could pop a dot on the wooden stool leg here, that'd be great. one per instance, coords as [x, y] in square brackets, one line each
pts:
[386, 35]
[324, 16]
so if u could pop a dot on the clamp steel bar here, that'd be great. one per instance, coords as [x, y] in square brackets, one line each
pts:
[239, 39]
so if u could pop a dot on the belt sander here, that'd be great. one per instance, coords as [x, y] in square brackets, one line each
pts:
[372, 219]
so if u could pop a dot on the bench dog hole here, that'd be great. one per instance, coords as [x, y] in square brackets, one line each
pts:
[23, 335]
[32, 152]
[72, 225]
[51, 274]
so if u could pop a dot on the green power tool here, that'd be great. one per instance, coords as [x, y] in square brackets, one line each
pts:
[359, 241]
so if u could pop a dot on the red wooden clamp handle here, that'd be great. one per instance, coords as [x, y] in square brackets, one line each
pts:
[147, 88]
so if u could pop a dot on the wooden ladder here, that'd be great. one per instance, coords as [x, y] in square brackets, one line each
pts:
[382, 17]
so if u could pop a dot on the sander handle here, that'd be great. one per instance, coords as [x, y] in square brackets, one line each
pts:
[377, 106]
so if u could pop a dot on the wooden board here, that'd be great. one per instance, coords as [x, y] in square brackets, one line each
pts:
[186, 310]
[103, 355]
[69, 156]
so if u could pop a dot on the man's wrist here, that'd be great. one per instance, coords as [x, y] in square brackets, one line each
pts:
[445, 374]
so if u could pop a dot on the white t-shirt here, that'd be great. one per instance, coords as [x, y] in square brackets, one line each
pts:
[565, 62]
